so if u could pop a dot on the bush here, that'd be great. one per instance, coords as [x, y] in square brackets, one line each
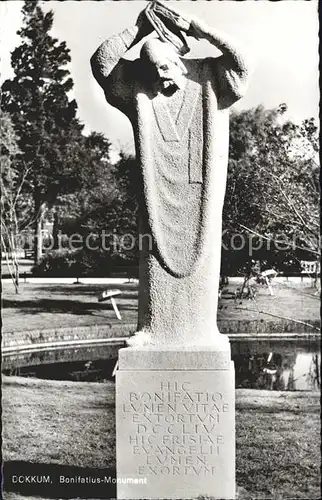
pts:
[56, 264]
[83, 263]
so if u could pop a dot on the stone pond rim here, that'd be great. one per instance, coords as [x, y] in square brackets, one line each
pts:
[74, 340]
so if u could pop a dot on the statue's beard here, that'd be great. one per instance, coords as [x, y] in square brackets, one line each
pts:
[168, 87]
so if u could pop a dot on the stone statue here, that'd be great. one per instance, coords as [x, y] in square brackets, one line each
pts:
[178, 108]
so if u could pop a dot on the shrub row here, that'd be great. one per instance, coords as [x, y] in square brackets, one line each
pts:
[83, 263]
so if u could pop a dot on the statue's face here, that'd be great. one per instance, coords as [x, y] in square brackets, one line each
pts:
[167, 71]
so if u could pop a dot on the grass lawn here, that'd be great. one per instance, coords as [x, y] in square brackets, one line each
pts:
[296, 302]
[59, 305]
[40, 306]
[53, 427]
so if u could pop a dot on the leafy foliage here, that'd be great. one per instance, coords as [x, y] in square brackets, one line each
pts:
[273, 182]
[14, 204]
[43, 116]
[10, 181]
[105, 209]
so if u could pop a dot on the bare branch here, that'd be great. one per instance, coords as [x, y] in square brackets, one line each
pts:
[278, 316]
[27, 170]
[278, 241]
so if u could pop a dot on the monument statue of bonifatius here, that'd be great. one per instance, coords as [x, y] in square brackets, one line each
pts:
[179, 110]
[175, 386]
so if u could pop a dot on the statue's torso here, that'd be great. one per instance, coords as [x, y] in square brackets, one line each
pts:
[173, 174]
[183, 156]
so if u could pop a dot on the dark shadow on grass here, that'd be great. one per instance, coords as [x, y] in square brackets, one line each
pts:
[128, 290]
[47, 482]
[37, 306]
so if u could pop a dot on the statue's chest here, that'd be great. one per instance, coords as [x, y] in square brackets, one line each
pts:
[174, 115]
[178, 134]
[175, 103]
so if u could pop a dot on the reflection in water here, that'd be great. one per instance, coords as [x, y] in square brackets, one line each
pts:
[82, 363]
[292, 365]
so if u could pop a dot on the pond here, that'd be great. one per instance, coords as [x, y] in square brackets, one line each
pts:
[290, 365]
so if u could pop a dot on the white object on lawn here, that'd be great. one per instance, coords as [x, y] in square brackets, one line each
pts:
[268, 275]
[115, 368]
[110, 294]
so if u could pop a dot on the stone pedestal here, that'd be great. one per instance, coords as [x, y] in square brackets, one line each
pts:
[175, 423]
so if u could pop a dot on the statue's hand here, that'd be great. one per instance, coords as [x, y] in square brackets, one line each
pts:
[144, 25]
[197, 29]
[172, 17]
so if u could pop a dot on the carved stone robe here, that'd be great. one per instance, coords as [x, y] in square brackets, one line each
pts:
[184, 164]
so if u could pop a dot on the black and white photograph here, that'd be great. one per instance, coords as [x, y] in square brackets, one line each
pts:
[160, 249]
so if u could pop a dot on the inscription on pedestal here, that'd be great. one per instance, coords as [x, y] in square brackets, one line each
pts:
[175, 428]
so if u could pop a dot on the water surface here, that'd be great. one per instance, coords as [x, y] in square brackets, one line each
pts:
[290, 365]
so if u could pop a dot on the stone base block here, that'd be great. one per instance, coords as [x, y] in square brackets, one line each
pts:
[175, 428]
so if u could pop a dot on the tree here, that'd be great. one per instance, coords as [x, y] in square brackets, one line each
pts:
[107, 203]
[273, 182]
[12, 203]
[49, 134]
[128, 176]
[73, 211]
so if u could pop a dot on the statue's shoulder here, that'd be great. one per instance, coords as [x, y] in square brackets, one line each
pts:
[198, 67]
[193, 63]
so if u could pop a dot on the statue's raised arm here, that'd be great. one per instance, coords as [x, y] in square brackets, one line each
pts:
[231, 70]
[113, 73]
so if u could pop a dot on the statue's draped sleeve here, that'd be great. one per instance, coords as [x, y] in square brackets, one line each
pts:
[230, 72]
[115, 74]
[230, 80]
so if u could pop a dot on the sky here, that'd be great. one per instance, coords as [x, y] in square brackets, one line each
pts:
[281, 38]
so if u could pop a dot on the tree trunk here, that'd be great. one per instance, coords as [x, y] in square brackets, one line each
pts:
[317, 370]
[14, 257]
[13, 266]
[56, 230]
[38, 243]
[16, 266]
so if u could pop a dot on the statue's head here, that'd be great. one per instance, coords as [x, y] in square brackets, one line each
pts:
[162, 64]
